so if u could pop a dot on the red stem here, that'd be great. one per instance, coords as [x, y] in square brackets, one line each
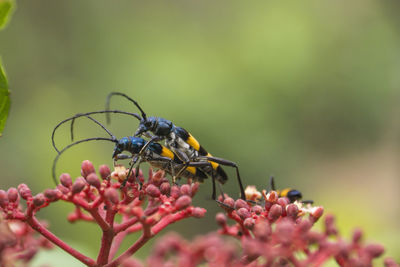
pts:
[35, 224]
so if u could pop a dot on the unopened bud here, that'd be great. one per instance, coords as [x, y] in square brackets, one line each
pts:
[3, 198]
[249, 223]
[24, 191]
[52, 194]
[243, 213]
[230, 202]
[12, 194]
[186, 190]
[112, 195]
[66, 180]
[195, 188]
[183, 202]
[39, 200]
[198, 212]
[317, 213]
[374, 250]
[78, 185]
[93, 180]
[357, 236]
[220, 218]
[257, 209]
[240, 203]
[292, 211]
[275, 212]
[104, 172]
[153, 190]
[87, 168]
[165, 188]
[175, 191]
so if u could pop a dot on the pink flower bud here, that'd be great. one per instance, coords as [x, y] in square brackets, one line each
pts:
[3, 198]
[240, 203]
[63, 189]
[87, 168]
[284, 231]
[24, 191]
[112, 195]
[317, 213]
[12, 194]
[304, 226]
[186, 190]
[165, 188]
[198, 212]
[66, 180]
[221, 219]
[389, 262]
[78, 185]
[175, 191]
[275, 212]
[93, 180]
[195, 188]
[357, 236]
[243, 213]
[39, 200]
[374, 250]
[257, 209]
[283, 201]
[153, 190]
[292, 211]
[229, 202]
[104, 172]
[249, 223]
[52, 194]
[183, 202]
[262, 230]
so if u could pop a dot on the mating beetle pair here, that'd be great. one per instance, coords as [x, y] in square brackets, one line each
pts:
[183, 156]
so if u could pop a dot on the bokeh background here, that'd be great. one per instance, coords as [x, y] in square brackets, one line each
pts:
[305, 91]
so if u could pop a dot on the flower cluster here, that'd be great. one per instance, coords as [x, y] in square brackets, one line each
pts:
[148, 206]
[272, 233]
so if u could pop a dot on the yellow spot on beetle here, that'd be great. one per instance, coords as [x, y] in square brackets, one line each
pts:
[167, 153]
[193, 142]
[213, 164]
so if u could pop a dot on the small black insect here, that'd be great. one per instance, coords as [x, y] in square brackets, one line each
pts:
[181, 142]
[154, 153]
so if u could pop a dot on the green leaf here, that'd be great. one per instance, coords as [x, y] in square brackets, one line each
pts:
[5, 10]
[4, 99]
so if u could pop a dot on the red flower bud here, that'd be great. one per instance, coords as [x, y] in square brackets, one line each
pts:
[153, 190]
[195, 188]
[292, 211]
[3, 198]
[165, 188]
[63, 189]
[243, 213]
[183, 202]
[257, 209]
[105, 172]
[229, 202]
[220, 218]
[39, 200]
[262, 230]
[24, 191]
[112, 195]
[78, 185]
[93, 180]
[357, 236]
[12, 194]
[389, 262]
[175, 191]
[240, 203]
[198, 212]
[374, 250]
[52, 194]
[275, 212]
[317, 213]
[66, 180]
[249, 223]
[87, 168]
[186, 190]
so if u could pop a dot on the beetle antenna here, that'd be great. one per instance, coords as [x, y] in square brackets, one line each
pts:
[272, 183]
[127, 97]
[89, 113]
[73, 144]
[94, 120]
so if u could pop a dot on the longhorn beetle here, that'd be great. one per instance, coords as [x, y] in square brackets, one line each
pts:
[181, 142]
[157, 155]
[292, 194]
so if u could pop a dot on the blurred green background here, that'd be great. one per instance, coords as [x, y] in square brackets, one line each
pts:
[306, 91]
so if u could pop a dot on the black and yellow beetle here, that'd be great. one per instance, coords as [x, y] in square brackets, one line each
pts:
[292, 194]
[181, 142]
